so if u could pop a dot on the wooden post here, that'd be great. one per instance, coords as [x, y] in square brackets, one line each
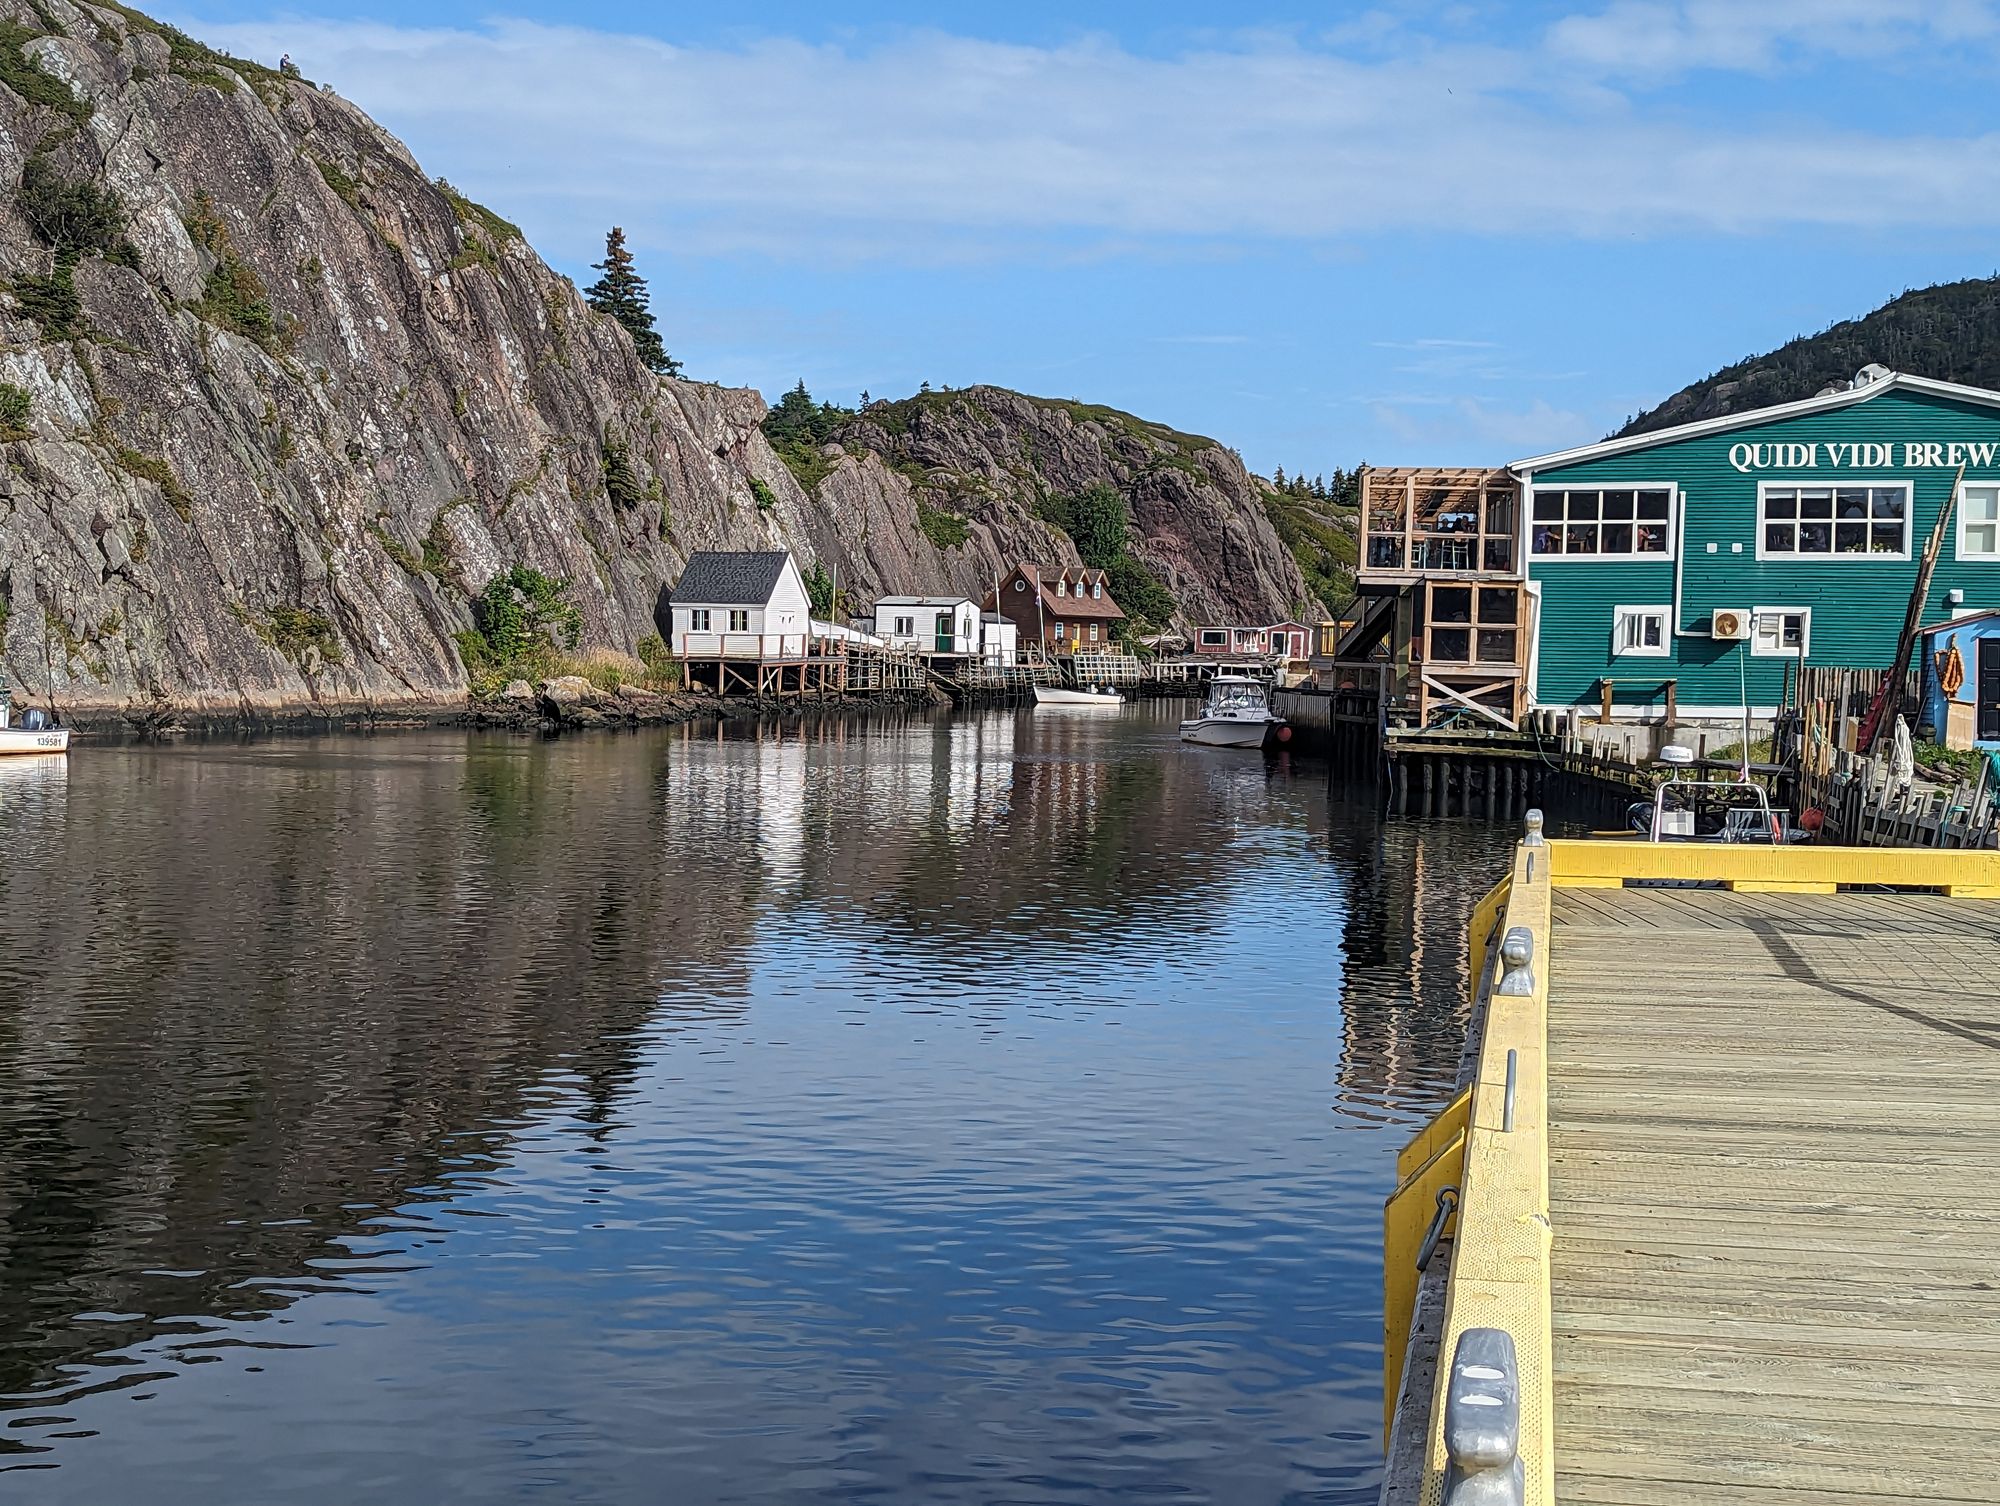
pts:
[1604, 715]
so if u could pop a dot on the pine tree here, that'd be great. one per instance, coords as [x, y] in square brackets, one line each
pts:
[621, 293]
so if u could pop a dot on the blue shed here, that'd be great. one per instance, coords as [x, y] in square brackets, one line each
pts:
[1962, 680]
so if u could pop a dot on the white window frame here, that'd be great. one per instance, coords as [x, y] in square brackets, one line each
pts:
[697, 619]
[739, 619]
[1214, 638]
[1958, 544]
[1804, 614]
[1796, 556]
[1093, 632]
[1529, 520]
[903, 627]
[1619, 616]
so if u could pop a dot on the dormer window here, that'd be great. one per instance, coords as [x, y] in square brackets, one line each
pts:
[1062, 587]
[1097, 588]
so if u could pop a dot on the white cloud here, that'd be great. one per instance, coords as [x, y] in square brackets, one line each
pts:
[931, 146]
[1536, 429]
[1669, 37]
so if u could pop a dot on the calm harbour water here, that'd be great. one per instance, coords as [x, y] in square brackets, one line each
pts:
[992, 1109]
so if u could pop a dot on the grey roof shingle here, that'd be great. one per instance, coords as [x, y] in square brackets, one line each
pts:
[730, 577]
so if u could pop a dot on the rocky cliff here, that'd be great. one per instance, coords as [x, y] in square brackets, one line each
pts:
[945, 490]
[274, 406]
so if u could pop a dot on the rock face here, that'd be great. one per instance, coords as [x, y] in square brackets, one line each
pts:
[907, 477]
[309, 401]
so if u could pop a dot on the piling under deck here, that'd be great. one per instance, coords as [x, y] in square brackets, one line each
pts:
[1774, 1180]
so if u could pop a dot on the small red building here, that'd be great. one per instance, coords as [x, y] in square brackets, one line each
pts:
[1066, 609]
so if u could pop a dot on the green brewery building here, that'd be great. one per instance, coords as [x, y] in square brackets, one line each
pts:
[1676, 574]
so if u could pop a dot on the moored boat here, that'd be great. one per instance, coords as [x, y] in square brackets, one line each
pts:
[34, 733]
[1237, 714]
[1062, 695]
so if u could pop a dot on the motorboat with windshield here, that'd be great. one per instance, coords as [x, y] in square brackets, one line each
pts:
[1236, 714]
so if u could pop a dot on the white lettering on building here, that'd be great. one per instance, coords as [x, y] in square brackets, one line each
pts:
[1858, 455]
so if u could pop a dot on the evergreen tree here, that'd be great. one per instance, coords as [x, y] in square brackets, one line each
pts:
[621, 293]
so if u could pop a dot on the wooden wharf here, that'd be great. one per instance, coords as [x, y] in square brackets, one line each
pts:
[1724, 1222]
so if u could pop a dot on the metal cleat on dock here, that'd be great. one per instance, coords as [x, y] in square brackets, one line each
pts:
[1482, 1422]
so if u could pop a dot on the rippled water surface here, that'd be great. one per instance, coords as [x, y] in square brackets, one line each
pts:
[980, 1110]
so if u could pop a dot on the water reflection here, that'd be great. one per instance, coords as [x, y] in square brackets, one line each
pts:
[907, 1109]
[1406, 989]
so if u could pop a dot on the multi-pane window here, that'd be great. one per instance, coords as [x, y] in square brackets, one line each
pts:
[739, 619]
[1979, 521]
[906, 627]
[1622, 522]
[698, 620]
[1781, 630]
[1640, 631]
[1831, 520]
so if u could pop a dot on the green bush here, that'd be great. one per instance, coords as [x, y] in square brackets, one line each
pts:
[77, 219]
[152, 468]
[820, 592]
[1097, 521]
[760, 489]
[798, 428]
[52, 302]
[293, 631]
[25, 77]
[621, 482]
[17, 406]
[947, 530]
[339, 180]
[235, 298]
[522, 616]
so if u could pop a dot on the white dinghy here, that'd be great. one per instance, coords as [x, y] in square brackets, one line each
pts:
[1062, 695]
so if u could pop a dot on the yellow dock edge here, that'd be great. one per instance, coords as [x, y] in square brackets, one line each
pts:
[1962, 874]
[1500, 1258]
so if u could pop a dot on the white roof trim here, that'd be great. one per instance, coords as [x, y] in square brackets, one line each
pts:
[925, 601]
[1896, 381]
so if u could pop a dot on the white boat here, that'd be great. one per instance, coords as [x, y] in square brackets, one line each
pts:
[34, 735]
[1237, 714]
[1062, 695]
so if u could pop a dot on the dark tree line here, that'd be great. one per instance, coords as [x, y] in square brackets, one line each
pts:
[1950, 332]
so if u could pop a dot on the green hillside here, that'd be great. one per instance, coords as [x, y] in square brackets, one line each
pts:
[1950, 331]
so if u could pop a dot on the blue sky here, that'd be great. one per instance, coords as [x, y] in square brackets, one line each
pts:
[1407, 233]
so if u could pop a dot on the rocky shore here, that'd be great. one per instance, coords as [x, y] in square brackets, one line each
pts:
[573, 703]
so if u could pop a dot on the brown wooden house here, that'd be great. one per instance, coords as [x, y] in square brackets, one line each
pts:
[1066, 609]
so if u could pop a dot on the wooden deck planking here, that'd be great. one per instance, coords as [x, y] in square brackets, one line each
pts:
[1775, 1184]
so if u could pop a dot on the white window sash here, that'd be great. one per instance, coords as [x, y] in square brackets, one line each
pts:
[1776, 647]
[1633, 618]
[1817, 556]
[1962, 547]
[1672, 521]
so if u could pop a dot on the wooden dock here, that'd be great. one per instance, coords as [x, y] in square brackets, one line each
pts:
[1744, 1234]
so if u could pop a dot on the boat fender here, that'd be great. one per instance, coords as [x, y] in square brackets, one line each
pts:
[36, 720]
[1284, 734]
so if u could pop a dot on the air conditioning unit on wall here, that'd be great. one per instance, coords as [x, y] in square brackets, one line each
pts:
[1730, 622]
